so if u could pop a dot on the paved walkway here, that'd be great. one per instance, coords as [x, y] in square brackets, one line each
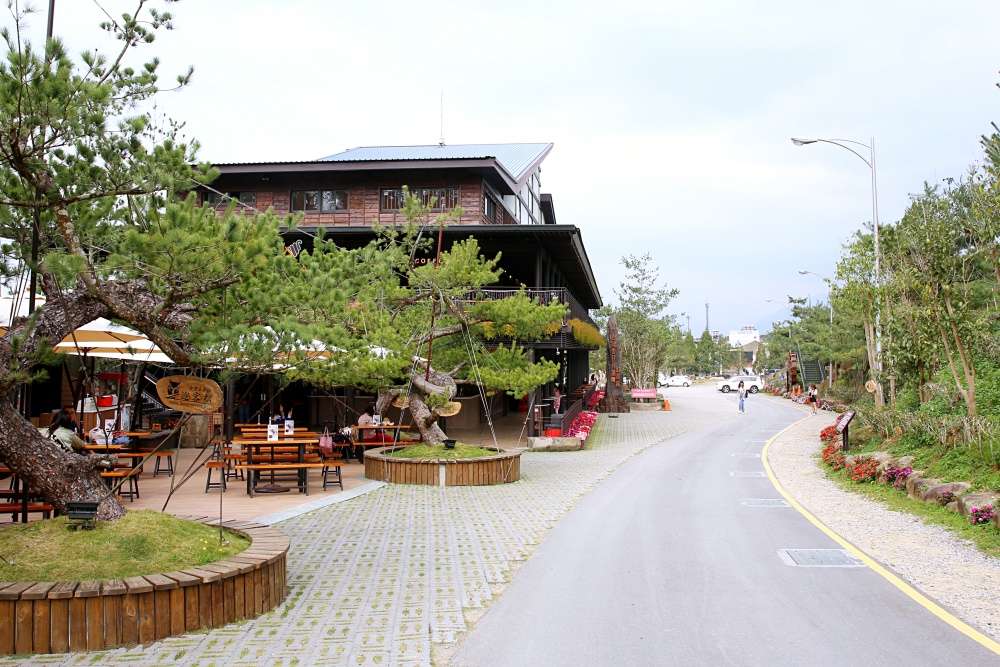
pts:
[394, 575]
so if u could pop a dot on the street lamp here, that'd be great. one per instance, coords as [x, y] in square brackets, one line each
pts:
[870, 161]
[829, 283]
[785, 306]
[829, 297]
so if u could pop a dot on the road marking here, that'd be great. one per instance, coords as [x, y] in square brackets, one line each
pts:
[764, 502]
[903, 586]
[819, 558]
[755, 441]
[746, 473]
[747, 454]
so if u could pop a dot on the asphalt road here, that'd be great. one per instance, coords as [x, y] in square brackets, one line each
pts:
[664, 564]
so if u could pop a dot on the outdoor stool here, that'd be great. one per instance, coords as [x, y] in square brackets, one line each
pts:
[232, 472]
[165, 468]
[221, 467]
[331, 473]
[123, 473]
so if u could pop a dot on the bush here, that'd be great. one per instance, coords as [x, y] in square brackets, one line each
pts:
[833, 456]
[897, 476]
[981, 515]
[865, 469]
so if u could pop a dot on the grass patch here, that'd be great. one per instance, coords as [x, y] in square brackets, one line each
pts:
[144, 542]
[985, 537]
[461, 451]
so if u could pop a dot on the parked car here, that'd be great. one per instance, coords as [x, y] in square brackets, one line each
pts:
[752, 383]
[676, 381]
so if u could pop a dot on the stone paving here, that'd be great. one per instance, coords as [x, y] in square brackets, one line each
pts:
[394, 576]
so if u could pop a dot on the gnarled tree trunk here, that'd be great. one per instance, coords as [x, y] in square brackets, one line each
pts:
[422, 386]
[56, 475]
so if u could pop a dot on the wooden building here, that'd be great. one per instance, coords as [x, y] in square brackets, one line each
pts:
[498, 187]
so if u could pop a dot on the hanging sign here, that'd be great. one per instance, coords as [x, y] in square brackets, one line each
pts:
[189, 394]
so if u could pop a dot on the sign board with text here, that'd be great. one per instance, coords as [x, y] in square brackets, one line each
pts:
[845, 421]
[189, 394]
[643, 393]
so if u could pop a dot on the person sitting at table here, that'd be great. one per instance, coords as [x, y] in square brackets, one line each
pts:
[59, 432]
[367, 418]
[72, 417]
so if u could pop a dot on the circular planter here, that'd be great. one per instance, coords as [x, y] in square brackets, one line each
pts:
[503, 468]
[92, 615]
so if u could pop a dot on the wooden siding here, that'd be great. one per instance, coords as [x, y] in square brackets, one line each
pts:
[364, 195]
[93, 615]
[503, 468]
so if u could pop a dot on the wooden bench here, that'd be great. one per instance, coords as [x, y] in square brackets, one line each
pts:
[302, 468]
[16, 509]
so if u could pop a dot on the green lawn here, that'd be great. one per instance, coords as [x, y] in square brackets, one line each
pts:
[144, 542]
[461, 451]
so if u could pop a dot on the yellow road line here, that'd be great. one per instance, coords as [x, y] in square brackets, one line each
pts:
[913, 593]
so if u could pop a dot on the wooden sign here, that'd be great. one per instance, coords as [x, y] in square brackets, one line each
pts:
[189, 394]
[845, 421]
[643, 393]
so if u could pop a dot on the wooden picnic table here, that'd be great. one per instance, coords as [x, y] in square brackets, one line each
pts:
[257, 447]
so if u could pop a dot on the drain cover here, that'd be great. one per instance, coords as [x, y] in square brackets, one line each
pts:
[764, 502]
[819, 558]
[744, 473]
[747, 455]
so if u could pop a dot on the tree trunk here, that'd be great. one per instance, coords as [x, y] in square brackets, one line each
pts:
[426, 420]
[422, 385]
[54, 474]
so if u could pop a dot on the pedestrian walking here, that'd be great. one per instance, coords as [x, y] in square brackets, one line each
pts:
[741, 393]
[814, 398]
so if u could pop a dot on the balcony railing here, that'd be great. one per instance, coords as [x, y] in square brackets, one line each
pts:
[543, 296]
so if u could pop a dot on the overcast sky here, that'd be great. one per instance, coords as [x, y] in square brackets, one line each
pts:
[671, 120]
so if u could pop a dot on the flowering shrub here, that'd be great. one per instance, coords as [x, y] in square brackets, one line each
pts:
[580, 428]
[595, 398]
[982, 514]
[865, 469]
[829, 434]
[945, 498]
[897, 476]
[833, 457]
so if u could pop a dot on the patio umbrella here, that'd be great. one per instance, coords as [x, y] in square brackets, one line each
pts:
[101, 333]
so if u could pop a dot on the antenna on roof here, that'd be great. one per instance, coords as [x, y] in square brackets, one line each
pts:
[441, 141]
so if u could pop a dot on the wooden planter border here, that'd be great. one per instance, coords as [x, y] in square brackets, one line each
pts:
[74, 616]
[502, 468]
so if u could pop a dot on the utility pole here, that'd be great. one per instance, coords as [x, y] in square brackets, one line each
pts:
[706, 316]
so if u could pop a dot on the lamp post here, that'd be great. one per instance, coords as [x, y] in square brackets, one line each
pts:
[870, 161]
[785, 306]
[829, 297]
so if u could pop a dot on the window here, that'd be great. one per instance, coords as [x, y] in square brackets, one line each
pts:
[247, 198]
[325, 201]
[489, 208]
[437, 198]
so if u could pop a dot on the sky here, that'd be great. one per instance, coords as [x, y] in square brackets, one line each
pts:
[671, 120]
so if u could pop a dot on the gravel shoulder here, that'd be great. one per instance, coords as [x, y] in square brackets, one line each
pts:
[944, 567]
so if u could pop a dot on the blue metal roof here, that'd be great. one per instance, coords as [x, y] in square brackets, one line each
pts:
[514, 158]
